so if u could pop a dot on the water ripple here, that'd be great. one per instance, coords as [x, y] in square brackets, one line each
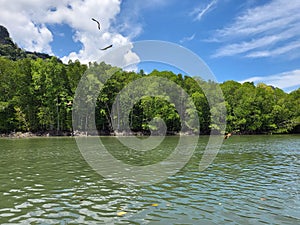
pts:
[250, 182]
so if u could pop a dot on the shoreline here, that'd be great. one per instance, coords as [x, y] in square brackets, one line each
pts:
[16, 135]
[83, 134]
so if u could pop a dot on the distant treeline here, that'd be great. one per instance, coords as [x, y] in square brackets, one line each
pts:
[36, 95]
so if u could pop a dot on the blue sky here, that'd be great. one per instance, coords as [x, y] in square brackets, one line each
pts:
[242, 40]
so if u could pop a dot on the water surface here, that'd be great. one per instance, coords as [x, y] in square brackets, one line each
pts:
[253, 180]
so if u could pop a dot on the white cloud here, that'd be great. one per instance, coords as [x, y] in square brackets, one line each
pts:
[292, 46]
[200, 11]
[27, 22]
[265, 29]
[255, 43]
[285, 80]
[30, 34]
[237, 48]
[122, 57]
[188, 38]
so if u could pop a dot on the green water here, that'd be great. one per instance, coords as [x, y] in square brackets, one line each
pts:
[253, 180]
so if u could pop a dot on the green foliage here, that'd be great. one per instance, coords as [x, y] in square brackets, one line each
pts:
[260, 109]
[37, 95]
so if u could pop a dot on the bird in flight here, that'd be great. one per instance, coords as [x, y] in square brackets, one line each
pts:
[97, 22]
[107, 47]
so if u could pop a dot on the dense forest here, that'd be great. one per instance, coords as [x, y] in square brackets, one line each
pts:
[37, 95]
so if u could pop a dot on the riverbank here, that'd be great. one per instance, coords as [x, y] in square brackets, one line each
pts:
[118, 134]
[79, 134]
[31, 134]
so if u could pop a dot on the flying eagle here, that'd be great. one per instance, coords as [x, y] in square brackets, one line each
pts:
[107, 47]
[97, 22]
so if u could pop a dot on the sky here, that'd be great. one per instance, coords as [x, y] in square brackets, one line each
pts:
[241, 40]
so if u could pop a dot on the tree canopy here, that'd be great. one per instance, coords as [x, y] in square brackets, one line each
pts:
[37, 95]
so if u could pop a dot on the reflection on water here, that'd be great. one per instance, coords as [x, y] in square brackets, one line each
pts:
[253, 180]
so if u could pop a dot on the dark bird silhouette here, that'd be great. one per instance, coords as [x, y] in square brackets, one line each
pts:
[107, 47]
[97, 22]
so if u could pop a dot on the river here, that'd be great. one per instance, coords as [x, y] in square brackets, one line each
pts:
[253, 180]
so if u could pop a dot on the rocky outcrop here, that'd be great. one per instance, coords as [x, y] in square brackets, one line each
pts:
[11, 50]
[4, 37]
